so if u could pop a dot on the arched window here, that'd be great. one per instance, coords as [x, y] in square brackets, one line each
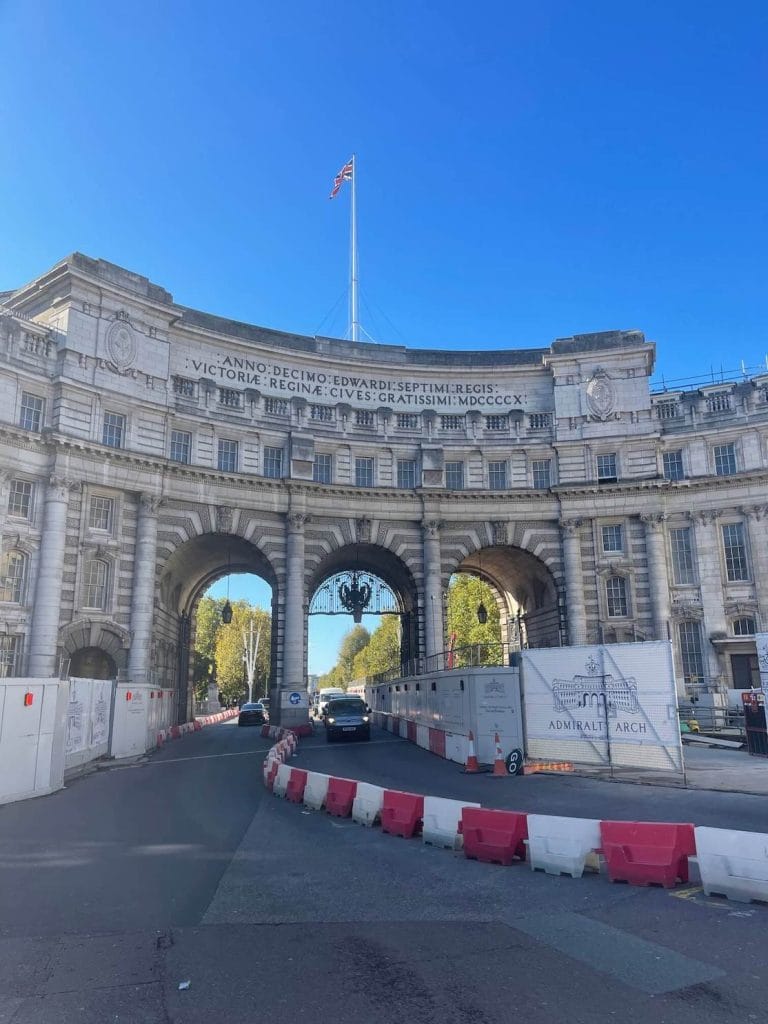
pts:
[616, 598]
[744, 626]
[95, 575]
[13, 572]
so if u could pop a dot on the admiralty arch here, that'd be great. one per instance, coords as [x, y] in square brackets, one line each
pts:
[147, 449]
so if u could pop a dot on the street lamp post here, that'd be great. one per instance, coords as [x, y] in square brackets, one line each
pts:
[250, 653]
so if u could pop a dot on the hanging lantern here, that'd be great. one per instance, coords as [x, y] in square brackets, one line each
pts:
[482, 614]
[226, 613]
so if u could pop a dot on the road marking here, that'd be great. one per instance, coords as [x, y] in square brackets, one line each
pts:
[634, 961]
[695, 894]
[200, 757]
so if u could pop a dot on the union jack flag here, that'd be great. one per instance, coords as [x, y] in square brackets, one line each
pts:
[345, 174]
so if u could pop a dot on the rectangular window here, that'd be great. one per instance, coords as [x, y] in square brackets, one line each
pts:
[228, 452]
[454, 476]
[181, 446]
[496, 422]
[364, 472]
[323, 468]
[451, 422]
[184, 387]
[364, 418]
[735, 550]
[276, 406]
[9, 651]
[113, 431]
[12, 572]
[612, 537]
[606, 468]
[406, 473]
[31, 416]
[616, 597]
[683, 568]
[273, 463]
[673, 465]
[542, 473]
[725, 459]
[20, 499]
[100, 513]
[497, 475]
[95, 583]
[690, 652]
[540, 421]
[230, 398]
[407, 421]
[321, 413]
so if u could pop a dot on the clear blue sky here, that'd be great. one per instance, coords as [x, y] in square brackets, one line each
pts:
[526, 170]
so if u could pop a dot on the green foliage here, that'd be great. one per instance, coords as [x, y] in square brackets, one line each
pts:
[352, 643]
[465, 594]
[230, 667]
[382, 654]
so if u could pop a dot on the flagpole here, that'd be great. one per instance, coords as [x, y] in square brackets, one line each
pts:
[354, 317]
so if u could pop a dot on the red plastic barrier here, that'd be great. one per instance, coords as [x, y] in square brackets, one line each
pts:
[302, 730]
[265, 731]
[647, 853]
[401, 813]
[198, 726]
[294, 791]
[437, 742]
[175, 732]
[411, 731]
[495, 837]
[341, 794]
[272, 774]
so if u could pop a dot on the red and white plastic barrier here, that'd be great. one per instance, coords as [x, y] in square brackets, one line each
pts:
[173, 732]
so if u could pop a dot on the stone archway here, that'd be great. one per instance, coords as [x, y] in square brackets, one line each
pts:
[101, 645]
[92, 663]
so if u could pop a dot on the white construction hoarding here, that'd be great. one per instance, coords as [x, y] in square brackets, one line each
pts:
[88, 712]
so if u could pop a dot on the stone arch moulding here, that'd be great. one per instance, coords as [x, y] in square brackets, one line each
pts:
[105, 634]
[325, 538]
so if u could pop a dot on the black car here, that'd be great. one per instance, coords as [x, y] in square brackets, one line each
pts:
[252, 714]
[346, 718]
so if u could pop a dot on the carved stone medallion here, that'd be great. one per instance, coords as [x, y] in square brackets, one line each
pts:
[601, 395]
[121, 345]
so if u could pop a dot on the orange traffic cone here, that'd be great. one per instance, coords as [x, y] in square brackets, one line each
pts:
[471, 767]
[499, 767]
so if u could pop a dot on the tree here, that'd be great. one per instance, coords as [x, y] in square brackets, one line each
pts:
[230, 668]
[207, 624]
[465, 594]
[351, 644]
[382, 654]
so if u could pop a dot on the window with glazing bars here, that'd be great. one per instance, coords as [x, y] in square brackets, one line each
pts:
[323, 468]
[20, 499]
[228, 452]
[363, 472]
[13, 566]
[616, 597]
[673, 465]
[273, 462]
[113, 430]
[725, 459]
[9, 649]
[451, 422]
[406, 473]
[496, 422]
[95, 583]
[542, 473]
[735, 550]
[100, 513]
[683, 566]
[612, 537]
[744, 626]
[606, 467]
[31, 414]
[181, 446]
[497, 475]
[454, 476]
[690, 652]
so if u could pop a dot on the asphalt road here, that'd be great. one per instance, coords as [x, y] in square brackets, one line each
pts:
[182, 868]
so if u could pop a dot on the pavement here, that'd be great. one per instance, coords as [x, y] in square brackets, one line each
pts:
[182, 868]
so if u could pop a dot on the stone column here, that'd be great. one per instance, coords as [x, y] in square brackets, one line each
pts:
[657, 571]
[710, 585]
[294, 661]
[434, 630]
[44, 632]
[574, 581]
[756, 516]
[143, 593]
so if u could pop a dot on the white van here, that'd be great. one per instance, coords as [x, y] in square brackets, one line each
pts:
[324, 695]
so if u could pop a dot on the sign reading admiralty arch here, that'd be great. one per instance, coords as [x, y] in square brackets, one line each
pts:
[147, 449]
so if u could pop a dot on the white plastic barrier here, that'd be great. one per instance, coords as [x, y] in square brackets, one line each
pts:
[733, 864]
[456, 748]
[422, 736]
[441, 821]
[366, 807]
[561, 845]
[281, 780]
[316, 790]
[33, 725]
[88, 713]
[268, 762]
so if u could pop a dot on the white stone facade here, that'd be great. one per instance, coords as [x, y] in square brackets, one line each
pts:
[147, 448]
